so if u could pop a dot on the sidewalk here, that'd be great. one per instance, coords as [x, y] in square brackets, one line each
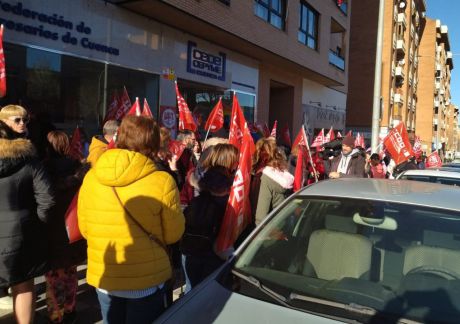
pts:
[87, 303]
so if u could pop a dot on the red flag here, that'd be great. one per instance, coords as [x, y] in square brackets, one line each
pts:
[216, 118]
[266, 130]
[397, 143]
[76, 149]
[359, 141]
[2, 66]
[112, 108]
[176, 148]
[301, 138]
[433, 160]
[273, 132]
[417, 146]
[238, 212]
[135, 108]
[330, 136]
[146, 111]
[237, 125]
[319, 139]
[339, 135]
[186, 120]
[350, 133]
[299, 170]
[286, 135]
[125, 104]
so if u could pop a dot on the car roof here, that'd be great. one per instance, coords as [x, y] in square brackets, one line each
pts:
[397, 191]
[439, 173]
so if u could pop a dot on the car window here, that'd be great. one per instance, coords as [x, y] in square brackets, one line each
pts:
[448, 181]
[396, 259]
[416, 178]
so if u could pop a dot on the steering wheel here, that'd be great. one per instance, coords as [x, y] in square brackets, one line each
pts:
[435, 271]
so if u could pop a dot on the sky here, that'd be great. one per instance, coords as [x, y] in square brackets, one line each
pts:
[448, 12]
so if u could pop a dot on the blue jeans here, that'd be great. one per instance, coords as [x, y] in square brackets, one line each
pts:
[126, 310]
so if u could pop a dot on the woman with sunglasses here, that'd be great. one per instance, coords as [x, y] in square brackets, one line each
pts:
[25, 205]
[16, 117]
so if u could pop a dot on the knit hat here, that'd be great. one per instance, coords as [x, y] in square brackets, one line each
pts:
[348, 141]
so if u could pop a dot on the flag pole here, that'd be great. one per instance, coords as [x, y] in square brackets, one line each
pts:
[207, 134]
[309, 155]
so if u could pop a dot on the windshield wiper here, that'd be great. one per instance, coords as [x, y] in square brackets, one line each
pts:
[352, 307]
[256, 283]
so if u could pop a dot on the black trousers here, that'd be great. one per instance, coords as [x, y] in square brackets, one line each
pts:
[199, 267]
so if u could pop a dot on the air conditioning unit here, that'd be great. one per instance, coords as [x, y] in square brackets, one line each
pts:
[401, 62]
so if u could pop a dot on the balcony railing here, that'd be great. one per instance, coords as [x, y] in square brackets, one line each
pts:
[336, 60]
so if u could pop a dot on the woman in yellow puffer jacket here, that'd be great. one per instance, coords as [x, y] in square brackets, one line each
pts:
[128, 269]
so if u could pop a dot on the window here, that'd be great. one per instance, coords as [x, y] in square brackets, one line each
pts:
[308, 30]
[271, 11]
[65, 90]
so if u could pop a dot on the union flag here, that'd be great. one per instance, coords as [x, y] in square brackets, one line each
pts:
[216, 118]
[76, 149]
[186, 120]
[238, 211]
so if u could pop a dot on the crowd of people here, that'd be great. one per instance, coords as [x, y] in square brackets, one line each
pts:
[147, 216]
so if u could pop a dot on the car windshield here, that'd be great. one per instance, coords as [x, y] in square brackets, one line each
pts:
[399, 260]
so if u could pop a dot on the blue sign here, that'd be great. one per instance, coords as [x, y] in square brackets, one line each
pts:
[205, 64]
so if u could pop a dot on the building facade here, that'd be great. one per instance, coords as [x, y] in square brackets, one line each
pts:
[404, 23]
[435, 115]
[285, 60]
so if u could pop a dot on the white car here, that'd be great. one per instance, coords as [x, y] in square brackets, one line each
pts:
[432, 175]
[342, 250]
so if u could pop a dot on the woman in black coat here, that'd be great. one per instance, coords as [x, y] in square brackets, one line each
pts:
[25, 203]
[66, 176]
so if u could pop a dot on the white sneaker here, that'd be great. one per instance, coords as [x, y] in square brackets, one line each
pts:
[6, 302]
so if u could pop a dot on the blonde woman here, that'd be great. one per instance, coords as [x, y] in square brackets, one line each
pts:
[16, 117]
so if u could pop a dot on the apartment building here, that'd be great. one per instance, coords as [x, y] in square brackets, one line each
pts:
[404, 24]
[435, 113]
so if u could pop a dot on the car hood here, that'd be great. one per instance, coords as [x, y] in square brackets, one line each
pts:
[210, 302]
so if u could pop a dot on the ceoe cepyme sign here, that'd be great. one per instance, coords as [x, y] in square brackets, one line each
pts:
[206, 64]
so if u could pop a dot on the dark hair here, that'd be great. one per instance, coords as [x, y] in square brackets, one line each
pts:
[139, 134]
[58, 143]
[375, 156]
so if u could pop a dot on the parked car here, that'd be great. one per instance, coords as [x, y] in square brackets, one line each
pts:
[339, 251]
[444, 175]
[452, 165]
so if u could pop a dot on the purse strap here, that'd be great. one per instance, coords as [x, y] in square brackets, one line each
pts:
[151, 236]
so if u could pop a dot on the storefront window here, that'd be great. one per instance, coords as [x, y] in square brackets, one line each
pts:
[68, 91]
[202, 98]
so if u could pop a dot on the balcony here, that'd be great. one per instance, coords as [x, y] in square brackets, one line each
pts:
[400, 46]
[401, 19]
[336, 60]
[436, 103]
[435, 121]
[398, 99]
[399, 72]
